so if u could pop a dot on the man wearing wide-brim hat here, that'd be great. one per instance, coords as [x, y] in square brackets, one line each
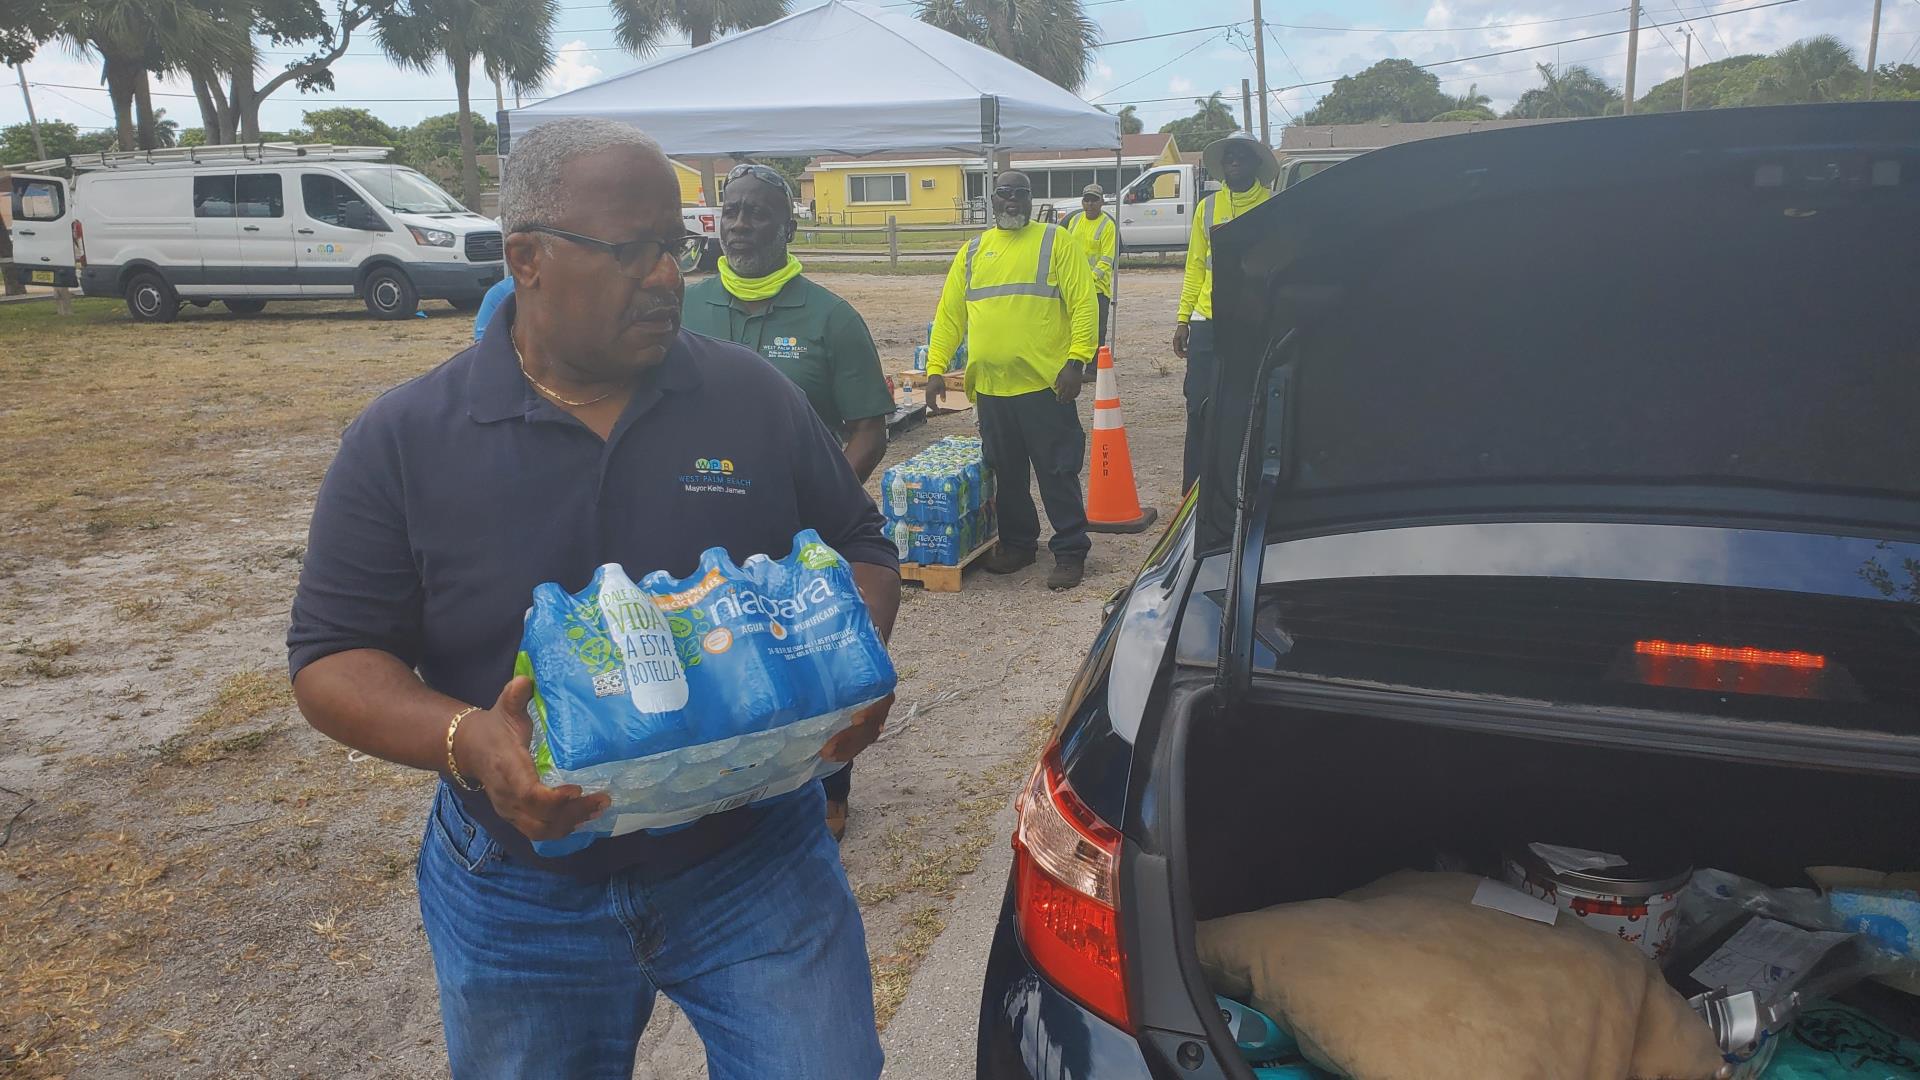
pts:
[1247, 169]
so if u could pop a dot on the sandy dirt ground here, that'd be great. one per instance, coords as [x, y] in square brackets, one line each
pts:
[192, 881]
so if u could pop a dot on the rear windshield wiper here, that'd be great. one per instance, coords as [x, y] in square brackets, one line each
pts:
[1264, 462]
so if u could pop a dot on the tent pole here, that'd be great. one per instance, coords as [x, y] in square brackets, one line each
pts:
[1113, 317]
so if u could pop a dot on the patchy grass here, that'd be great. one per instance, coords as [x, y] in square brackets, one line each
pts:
[243, 698]
[147, 429]
[921, 863]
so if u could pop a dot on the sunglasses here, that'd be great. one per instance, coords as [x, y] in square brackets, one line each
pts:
[1011, 192]
[762, 174]
[637, 258]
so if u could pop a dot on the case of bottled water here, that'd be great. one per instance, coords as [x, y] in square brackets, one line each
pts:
[684, 697]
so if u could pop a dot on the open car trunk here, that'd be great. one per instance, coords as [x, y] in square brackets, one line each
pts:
[1285, 805]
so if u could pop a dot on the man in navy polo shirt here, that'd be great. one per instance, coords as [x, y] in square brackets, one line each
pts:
[567, 438]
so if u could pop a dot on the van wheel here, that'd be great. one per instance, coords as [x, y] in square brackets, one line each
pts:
[151, 299]
[245, 307]
[471, 303]
[389, 294]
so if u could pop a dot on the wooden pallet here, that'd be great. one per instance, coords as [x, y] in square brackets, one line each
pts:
[942, 578]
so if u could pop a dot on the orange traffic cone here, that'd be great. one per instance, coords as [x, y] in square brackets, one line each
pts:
[1113, 503]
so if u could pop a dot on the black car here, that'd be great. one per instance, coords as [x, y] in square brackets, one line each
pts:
[1564, 483]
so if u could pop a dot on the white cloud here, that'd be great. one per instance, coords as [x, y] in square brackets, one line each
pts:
[574, 68]
[1180, 84]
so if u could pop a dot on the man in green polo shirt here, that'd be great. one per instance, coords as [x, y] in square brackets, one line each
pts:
[759, 299]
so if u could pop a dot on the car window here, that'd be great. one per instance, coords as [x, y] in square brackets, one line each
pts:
[37, 200]
[213, 196]
[328, 199]
[1166, 185]
[259, 196]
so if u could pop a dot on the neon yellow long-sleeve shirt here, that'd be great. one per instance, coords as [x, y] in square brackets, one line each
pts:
[1196, 289]
[1100, 241]
[1023, 299]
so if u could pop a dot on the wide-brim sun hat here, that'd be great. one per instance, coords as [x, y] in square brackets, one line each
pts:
[1214, 157]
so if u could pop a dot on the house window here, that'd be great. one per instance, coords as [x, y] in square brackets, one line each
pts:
[886, 187]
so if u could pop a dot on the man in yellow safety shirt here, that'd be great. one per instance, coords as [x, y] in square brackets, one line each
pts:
[1023, 298]
[1101, 241]
[1247, 168]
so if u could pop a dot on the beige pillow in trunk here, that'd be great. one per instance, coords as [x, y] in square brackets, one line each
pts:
[1405, 979]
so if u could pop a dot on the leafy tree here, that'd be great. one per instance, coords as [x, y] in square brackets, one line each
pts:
[1574, 91]
[512, 40]
[357, 127]
[1051, 38]
[133, 39]
[1130, 121]
[59, 137]
[1479, 113]
[1708, 88]
[1897, 82]
[1391, 91]
[1212, 120]
[230, 94]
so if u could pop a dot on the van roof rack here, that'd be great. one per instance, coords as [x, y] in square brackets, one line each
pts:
[190, 156]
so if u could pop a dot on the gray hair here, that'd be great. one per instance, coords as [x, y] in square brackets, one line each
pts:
[531, 192]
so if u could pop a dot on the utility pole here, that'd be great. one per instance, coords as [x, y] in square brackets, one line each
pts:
[1686, 72]
[1260, 68]
[1246, 105]
[1873, 48]
[40, 148]
[1633, 52]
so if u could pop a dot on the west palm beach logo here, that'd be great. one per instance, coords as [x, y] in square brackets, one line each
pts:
[715, 466]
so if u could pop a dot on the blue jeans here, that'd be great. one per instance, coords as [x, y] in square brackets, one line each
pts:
[547, 975]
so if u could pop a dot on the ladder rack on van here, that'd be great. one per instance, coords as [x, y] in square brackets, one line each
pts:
[260, 153]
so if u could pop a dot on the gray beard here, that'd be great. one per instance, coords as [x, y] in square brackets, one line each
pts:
[758, 266]
[1009, 220]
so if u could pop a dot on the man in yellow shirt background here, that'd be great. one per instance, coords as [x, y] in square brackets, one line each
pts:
[1097, 236]
[1247, 169]
[1023, 299]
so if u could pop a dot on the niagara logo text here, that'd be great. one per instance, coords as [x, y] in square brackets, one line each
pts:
[744, 602]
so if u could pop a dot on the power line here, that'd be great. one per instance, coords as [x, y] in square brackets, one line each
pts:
[1674, 4]
[1510, 52]
[1447, 29]
[1203, 44]
[1173, 33]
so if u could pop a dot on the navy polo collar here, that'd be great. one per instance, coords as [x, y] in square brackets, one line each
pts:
[497, 390]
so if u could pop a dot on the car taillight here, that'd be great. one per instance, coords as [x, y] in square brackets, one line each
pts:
[1066, 876]
[79, 246]
[1731, 654]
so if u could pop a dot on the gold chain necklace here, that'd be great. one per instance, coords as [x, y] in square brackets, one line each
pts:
[537, 385]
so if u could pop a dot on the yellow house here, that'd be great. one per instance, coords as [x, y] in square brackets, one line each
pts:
[948, 189]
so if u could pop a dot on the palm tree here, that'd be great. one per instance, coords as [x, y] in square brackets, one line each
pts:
[1469, 101]
[1130, 121]
[1810, 70]
[638, 25]
[165, 132]
[136, 37]
[512, 40]
[1574, 91]
[1051, 38]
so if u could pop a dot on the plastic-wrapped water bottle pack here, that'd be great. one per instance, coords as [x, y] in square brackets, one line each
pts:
[939, 502]
[691, 696]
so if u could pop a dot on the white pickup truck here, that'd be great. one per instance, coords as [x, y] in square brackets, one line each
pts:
[1156, 210]
[704, 222]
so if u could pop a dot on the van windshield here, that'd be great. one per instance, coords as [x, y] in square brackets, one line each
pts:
[404, 191]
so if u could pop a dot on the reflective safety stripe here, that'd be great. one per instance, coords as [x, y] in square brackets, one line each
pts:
[1037, 287]
[1209, 216]
[1107, 418]
[1100, 230]
[1105, 387]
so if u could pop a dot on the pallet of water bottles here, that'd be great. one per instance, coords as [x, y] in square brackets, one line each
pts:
[939, 510]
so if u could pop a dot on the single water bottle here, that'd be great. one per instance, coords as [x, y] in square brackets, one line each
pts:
[655, 680]
[896, 493]
[902, 536]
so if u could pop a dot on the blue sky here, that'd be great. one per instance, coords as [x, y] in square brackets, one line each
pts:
[1176, 68]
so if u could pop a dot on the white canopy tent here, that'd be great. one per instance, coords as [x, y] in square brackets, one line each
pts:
[841, 78]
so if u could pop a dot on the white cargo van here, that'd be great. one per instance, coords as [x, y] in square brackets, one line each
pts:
[1156, 210]
[249, 224]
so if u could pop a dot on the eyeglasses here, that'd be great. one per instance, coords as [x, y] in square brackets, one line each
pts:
[637, 258]
[1011, 192]
[762, 174]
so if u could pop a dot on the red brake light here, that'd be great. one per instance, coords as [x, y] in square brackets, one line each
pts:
[79, 246]
[1066, 870]
[1728, 654]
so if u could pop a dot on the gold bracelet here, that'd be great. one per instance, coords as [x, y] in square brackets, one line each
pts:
[453, 767]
